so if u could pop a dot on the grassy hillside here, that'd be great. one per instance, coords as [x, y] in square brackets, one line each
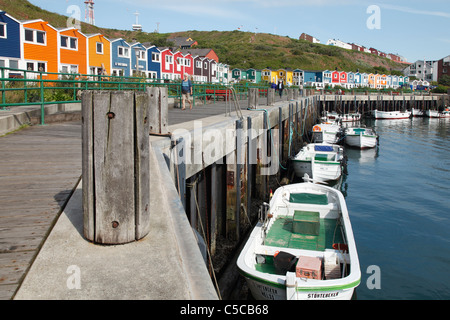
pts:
[260, 50]
[236, 48]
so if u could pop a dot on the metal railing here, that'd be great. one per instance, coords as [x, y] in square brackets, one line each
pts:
[27, 88]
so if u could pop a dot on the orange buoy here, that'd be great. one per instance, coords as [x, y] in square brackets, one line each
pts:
[340, 246]
[317, 129]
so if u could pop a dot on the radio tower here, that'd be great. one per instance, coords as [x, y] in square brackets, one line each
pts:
[89, 18]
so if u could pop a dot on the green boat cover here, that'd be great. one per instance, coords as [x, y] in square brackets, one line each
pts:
[308, 198]
[321, 157]
[281, 235]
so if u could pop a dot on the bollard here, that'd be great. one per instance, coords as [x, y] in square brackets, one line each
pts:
[115, 164]
[296, 93]
[270, 96]
[159, 113]
[290, 94]
[253, 97]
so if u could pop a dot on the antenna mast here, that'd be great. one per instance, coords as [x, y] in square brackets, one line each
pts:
[89, 18]
[137, 26]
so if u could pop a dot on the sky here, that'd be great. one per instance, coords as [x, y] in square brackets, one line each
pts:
[414, 29]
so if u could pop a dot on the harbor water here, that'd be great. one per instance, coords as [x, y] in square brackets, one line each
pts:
[398, 197]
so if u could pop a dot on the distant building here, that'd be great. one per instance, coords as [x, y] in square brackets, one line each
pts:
[10, 42]
[422, 70]
[357, 47]
[183, 42]
[339, 43]
[443, 67]
[374, 51]
[297, 77]
[208, 53]
[120, 57]
[99, 54]
[309, 38]
[394, 57]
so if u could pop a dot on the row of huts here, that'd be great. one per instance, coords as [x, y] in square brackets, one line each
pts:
[321, 79]
[36, 45]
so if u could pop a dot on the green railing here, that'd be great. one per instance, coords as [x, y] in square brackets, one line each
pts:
[28, 88]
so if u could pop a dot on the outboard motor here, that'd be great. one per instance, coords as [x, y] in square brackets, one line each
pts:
[263, 210]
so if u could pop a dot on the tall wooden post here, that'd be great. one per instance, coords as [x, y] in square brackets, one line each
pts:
[115, 162]
[159, 118]
[261, 180]
[270, 96]
[253, 98]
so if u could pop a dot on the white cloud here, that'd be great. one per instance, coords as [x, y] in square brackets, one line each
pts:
[416, 11]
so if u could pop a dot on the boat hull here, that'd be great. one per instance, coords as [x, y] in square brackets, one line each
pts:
[361, 141]
[417, 113]
[322, 172]
[326, 133]
[391, 114]
[320, 161]
[349, 117]
[261, 290]
[437, 114]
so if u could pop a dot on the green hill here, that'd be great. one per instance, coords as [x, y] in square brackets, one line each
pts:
[236, 48]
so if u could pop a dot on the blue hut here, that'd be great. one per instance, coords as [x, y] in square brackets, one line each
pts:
[139, 54]
[120, 58]
[312, 77]
[10, 44]
[153, 62]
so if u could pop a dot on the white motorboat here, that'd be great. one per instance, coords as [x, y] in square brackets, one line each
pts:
[438, 114]
[417, 112]
[391, 114]
[322, 162]
[327, 132]
[302, 248]
[361, 137]
[347, 117]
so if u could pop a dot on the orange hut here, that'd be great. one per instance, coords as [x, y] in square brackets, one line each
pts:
[72, 51]
[372, 83]
[99, 54]
[40, 46]
[383, 81]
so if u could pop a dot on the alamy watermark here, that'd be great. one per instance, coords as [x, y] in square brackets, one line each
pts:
[74, 280]
[374, 20]
[374, 280]
[74, 19]
[205, 146]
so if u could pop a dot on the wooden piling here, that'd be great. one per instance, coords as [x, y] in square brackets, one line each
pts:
[159, 113]
[270, 97]
[115, 153]
[253, 98]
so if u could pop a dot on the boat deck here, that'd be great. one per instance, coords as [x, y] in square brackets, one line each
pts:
[281, 235]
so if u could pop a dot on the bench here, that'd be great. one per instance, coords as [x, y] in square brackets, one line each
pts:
[219, 93]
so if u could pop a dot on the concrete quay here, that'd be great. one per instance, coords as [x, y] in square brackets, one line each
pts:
[57, 263]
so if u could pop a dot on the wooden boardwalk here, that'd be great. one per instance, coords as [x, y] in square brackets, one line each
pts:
[176, 115]
[39, 168]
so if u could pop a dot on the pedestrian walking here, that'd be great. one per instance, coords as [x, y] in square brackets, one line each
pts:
[186, 92]
[280, 87]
